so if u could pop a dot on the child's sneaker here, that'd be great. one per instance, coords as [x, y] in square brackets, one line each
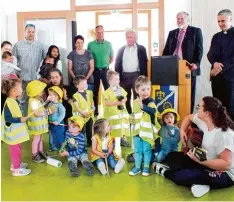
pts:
[21, 172]
[159, 168]
[88, 167]
[119, 166]
[37, 158]
[22, 165]
[44, 155]
[146, 171]
[199, 190]
[130, 158]
[124, 142]
[73, 168]
[134, 171]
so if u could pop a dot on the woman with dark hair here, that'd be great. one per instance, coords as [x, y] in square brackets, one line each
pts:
[51, 61]
[217, 171]
[56, 79]
[80, 62]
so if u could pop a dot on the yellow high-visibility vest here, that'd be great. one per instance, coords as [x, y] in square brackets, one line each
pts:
[143, 126]
[84, 105]
[37, 125]
[17, 132]
[94, 157]
[119, 119]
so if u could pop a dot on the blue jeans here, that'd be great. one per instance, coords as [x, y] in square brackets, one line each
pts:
[110, 160]
[56, 136]
[141, 147]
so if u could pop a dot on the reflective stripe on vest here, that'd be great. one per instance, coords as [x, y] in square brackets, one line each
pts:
[119, 126]
[119, 116]
[76, 114]
[138, 115]
[15, 132]
[38, 125]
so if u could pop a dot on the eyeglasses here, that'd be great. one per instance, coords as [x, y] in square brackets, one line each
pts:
[30, 25]
[198, 107]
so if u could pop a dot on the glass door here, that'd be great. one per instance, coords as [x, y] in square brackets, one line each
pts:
[51, 29]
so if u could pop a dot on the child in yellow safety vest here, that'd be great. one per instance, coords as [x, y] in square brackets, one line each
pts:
[102, 147]
[146, 126]
[83, 105]
[114, 99]
[14, 129]
[37, 123]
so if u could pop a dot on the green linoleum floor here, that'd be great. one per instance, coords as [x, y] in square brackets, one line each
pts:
[50, 183]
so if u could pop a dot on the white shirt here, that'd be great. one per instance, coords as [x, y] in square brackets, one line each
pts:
[104, 143]
[216, 141]
[130, 59]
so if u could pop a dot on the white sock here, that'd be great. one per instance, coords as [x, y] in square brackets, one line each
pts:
[102, 168]
[117, 146]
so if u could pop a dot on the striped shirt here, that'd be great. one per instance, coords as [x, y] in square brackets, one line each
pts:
[76, 144]
[29, 56]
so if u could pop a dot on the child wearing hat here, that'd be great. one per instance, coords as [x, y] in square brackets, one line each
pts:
[56, 124]
[169, 133]
[74, 147]
[38, 122]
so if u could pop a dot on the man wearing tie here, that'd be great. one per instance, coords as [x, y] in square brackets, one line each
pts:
[221, 57]
[187, 43]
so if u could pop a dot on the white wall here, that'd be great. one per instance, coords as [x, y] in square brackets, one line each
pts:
[9, 8]
[204, 15]
[172, 7]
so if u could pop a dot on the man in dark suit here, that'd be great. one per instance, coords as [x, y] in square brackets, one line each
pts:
[187, 43]
[221, 57]
[131, 62]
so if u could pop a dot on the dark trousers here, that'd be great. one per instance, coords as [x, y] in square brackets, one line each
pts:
[56, 136]
[224, 91]
[88, 129]
[3, 100]
[193, 91]
[128, 83]
[99, 74]
[186, 172]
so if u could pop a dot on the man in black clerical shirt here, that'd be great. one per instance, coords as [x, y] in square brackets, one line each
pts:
[221, 57]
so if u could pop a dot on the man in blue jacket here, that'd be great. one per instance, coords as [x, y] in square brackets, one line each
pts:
[221, 57]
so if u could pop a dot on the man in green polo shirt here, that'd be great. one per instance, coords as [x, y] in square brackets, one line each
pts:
[103, 56]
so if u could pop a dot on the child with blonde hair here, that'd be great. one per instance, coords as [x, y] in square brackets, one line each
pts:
[146, 126]
[114, 99]
[14, 129]
[102, 147]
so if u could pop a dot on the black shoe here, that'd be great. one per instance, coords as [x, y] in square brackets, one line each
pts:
[44, 155]
[37, 158]
[73, 168]
[130, 158]
[124, 142]
[88, 167]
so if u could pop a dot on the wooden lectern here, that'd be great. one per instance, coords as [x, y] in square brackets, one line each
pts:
[169, 71]
[184, 100]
